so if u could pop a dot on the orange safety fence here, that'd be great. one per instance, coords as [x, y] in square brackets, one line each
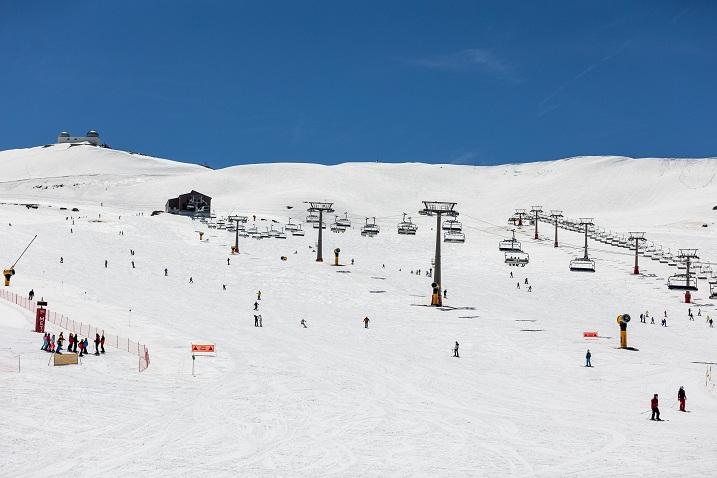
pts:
[82, 328]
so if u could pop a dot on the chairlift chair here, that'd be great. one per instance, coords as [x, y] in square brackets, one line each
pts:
[682, 282]
[452, 225]
[517, 259]
[291, 227]
[704, 272]
[371, 229]
[713, 291]
[580, 264]
[298, 231]
[316, 225]
[407, 227]
[510, 245]
[344, 221]
[312, 217]
[454, 236]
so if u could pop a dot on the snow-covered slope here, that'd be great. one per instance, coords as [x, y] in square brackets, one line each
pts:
[336, 399]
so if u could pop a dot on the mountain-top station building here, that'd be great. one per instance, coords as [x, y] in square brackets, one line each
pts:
[92, 137]
[189, 204]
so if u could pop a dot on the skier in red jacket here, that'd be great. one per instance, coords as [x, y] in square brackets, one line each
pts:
[655, 409]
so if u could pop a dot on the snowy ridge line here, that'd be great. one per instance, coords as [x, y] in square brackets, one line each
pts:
[120, 343]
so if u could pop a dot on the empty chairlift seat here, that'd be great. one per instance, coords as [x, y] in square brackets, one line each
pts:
[454, 236]
[682, 282]
[580, 264]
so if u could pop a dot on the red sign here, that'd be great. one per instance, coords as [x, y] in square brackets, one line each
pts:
[40, 320]
[203, 348]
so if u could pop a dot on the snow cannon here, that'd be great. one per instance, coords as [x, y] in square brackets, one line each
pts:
[436, 295]
[336, 256]
[622, 321]
[8, 273]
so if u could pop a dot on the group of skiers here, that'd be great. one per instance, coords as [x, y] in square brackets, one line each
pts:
[525, 282]
[655, 404]
[663, 321]
[54, 345]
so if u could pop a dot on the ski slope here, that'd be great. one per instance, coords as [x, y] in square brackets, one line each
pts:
[336, 399]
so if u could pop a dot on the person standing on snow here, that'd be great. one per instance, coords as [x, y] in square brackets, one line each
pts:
[655, 410]
[455, 350]
[102, 343]
[587, 359]
[31, 294]
[445, 293]
[365, 322]
[303, 323]
[105, 263]
[165, 272]
[681, 397]
[191, 281]
[227, 261]
[256, 305]
[256, 320]
[258, 295]
[60, 339]
[97, 344]
[132, 264]
[260, 323]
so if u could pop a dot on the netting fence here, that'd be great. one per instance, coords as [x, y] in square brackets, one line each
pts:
[83, 329]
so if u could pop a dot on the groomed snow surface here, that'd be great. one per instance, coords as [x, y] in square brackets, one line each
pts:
[336, 399]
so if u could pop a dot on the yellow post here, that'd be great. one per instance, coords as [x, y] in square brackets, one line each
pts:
[8, 273]
[622, 321]
[436, 296]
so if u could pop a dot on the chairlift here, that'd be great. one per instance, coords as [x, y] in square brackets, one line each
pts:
[290, 226]
[407, 227]
[454, 236]
[511, 245]
[298, 231]
[452, 225]
[336, 227]
[371, 229]
[518, 259]
[705, 271]
[682, 282]
[581, 264]
[280, 235]
[312, 217]
[344, 221]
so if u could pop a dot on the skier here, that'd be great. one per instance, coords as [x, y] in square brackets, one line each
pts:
[681, 397]
[642, 318]
[256, 305]
[132, 264]
[526, 281]
[258, 295]
[665, 313]
[83, 351]
[455, 350]
[224, 287]
[52, 343]
[664, 322]
[227, 261]
[711, 323]
[31, 294]
[70, 342]
[165, 272]
[97, 344]
[62, 260]
[655, 409]
[191, 281]
[530, 288]
[587, 359]
[303, 323]
[102, 343]
[45, 341]
[85, 344]
[60, 339]
[74, 344]
[445, 293]
[105, 263]
[699, 312]
[652, 320]
[260, 322]
[352, 261]
[518, 285]
[256, 320]
[511, 274]
[365, 322]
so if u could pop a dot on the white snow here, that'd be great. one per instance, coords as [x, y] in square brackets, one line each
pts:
[336, 399]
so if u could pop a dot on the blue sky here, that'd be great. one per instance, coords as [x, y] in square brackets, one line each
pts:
[441, 82]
